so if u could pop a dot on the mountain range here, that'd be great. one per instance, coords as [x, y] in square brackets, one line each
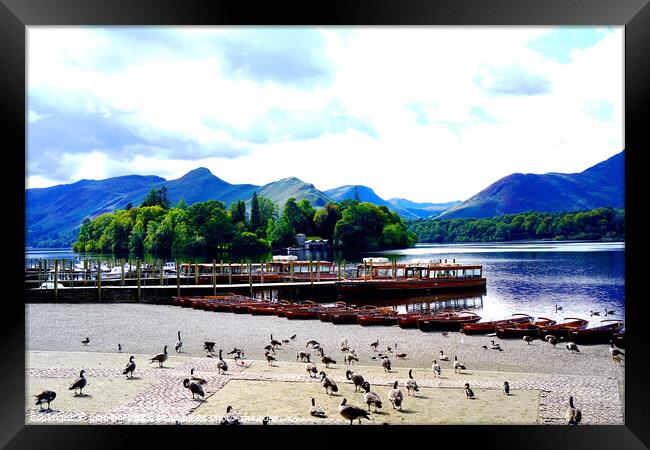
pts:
[54, 214]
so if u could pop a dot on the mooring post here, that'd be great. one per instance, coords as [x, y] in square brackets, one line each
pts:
[318, 269]
[311, 279]
[338, 270]
[99, 281]
[122, 275]
[161, 272]
[214, 277]
[394, 270]
[291, 272]
[345, 275]
[196, 274]
[250, 277]
[371, 268]
[229, 272]
[56, 275]
[178, 279]
[137, 269]
[262, 275]
[221, 266]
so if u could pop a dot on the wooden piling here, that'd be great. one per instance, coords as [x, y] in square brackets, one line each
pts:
[291, 271]
[344, 273]
[262, 275]
[311, 278]
[161, 272]
[122, 275]
[196, 274]
[318, 270]
[99, 281]
[56, 276]
[338, 270]
[137, 269]
[371, 269]
[178, 279]
[229, 272]
[250, 278]
[214, 277]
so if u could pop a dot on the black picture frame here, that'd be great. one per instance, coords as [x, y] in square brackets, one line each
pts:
[16, 15]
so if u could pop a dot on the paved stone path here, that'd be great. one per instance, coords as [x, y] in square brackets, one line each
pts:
[166, 401]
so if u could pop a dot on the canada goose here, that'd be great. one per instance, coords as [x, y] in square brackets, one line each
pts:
[85, 341]
[558, 308]
[349, 359]
[573, 347]
[573, 414]
[458, 366]
[179, 344]
[269, 348]
[326, 359]
[373, 357]
[293, 338]
[389, 350]
[238, 352]
[468, 392]
[196, 379]
[160, 357]
[316, 348]
[303, 356]
[616, 354]
[506, 388]
[484, 347]
[396, 397]
[209, 347]
[370, 397]
[269, 358]
[275, 342]
[345, 349]
[595, 313]
[315, 410]
[495, 346]
[284, 341]
[119, 348]
[436, 369]
[401, 355]
[445, 333]
[443, 357]
[375, 344]
[385, 363]
[609, 312]
[328, 383]
[344, 342]
[130, 367]
[411, 385]
[311, 369]
[79, 383]
[311, 343]
[528, 339]
[222, 367]
[266, 420]
[352, 413]
[194, 387]
[356, 379]
[231, 418]
[45, 397]
[552, 340]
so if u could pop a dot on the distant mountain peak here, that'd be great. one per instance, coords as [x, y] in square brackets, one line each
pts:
[198, 172]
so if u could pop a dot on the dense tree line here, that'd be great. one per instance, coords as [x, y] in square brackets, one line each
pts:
[596, 224]
[155, 227]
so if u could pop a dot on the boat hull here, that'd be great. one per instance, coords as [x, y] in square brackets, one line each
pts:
[377, 319]
[301, 314]
[440, 324]
[360, 289]
[597, 335]
[490, 327]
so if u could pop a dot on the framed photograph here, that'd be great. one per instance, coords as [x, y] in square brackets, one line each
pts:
[383, 213]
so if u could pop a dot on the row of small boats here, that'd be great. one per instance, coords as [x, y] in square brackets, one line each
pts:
[468, 322]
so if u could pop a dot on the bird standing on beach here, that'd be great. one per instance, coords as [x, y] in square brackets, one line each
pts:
[352, 413]
[495, 346]
[209, 347]
[326, 359]
[328, 383]
[179, 344]
[443, 357]
[616, 353]
[375, 344]
[552, 340]
[275, 343]
[385, 363]
[79, 383]
[573, 347]
[311, 343]
[293, 338]
[458, 366]
[506, 388]
[231, 418]
[573, 414]
[468, 392]
[160, 357]
[222, 367]
[411, 385]
[445, 333]
[266, 420]
[304, 357]
[349, 359]
[119, 348]
[356, 379]
[269, 358]
[396, 397]
[194, 387]
[45, 397]
[130, 367]
[269, 348]
[528, 339]
[436, 369]
[315, 410]
[86, 341]
[311, 369]
[370, 397]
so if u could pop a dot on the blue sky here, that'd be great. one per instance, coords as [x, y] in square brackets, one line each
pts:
[424, 113]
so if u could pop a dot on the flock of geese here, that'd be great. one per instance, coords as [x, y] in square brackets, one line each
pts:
[350, 412]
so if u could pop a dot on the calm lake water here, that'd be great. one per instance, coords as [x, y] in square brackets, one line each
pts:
[522, 277]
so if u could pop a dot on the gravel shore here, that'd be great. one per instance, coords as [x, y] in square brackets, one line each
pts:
[53, 344]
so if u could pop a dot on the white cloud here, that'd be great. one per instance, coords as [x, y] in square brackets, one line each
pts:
[438, 151]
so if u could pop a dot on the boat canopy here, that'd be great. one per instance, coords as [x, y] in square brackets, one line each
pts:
[376, 260]
[285, 258]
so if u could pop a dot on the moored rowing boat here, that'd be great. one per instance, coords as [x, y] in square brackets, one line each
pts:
[490, 327]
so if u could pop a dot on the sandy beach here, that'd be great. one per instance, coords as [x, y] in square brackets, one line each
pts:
[541, 377]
